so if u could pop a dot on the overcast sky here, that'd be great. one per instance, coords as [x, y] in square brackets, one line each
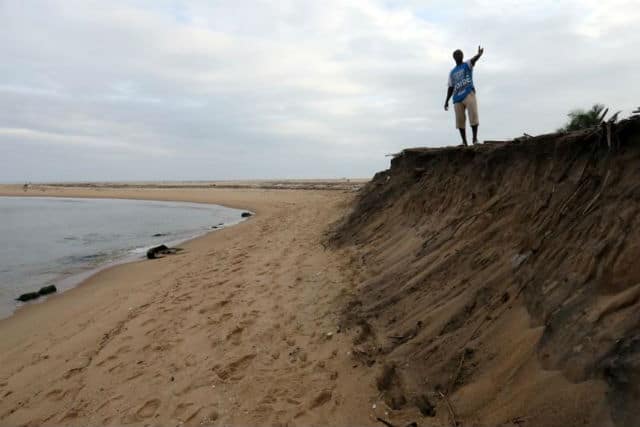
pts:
[184, 90]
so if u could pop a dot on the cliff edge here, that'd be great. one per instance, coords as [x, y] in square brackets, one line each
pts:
[500, 284]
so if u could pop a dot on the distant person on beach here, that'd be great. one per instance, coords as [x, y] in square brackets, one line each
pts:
[464, 94]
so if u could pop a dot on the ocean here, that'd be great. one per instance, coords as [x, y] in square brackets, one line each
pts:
[60, 241]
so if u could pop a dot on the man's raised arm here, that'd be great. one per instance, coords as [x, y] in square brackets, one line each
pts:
[478, 55]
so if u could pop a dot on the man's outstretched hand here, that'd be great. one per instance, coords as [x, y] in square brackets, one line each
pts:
[478, 55]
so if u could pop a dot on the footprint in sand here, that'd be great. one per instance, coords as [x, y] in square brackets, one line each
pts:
[236, 367]
[214, 307]
[191, 360]
[148, 409]
[221, 319]
[122, 350]
[235, 335]
[253, 314]
[181, 409]
[71, 372]
[192, 414]
[69, 415]
[321, 399]
[116, 367]
[56, 394]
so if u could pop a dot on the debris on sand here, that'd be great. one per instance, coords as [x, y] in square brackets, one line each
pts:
[46, 290]
[28, 296]
[160, 251]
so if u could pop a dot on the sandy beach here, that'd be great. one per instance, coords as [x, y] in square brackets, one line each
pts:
[440, 293]
[241, 328]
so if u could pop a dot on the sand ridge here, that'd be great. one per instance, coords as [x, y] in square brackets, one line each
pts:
[503, 278]
[239, 329]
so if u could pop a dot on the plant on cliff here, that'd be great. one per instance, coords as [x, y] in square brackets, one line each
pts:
[583, 119]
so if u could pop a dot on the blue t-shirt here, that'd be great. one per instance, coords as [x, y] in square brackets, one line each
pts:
[461, 80]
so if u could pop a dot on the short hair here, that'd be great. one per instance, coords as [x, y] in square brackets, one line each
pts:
[458, 53]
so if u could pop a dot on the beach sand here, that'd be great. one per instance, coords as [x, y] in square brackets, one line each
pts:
[241, 328]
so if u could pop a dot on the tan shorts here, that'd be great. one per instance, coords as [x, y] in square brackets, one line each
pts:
[471, 104]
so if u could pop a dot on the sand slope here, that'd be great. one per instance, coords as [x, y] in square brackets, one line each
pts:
[232, 331]
[506, 278]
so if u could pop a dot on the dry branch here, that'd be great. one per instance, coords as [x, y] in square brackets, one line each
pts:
[455, 377]
[452, 412]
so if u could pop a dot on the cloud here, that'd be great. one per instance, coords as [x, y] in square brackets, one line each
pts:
[166, 89]
[118, 145]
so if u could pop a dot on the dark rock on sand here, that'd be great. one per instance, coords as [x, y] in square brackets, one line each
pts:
[28, 296]
[246, 214]
[158, 251]
[47, 290]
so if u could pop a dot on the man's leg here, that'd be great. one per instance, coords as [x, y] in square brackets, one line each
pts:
[463, 134]
[460, 120]
[472, 106]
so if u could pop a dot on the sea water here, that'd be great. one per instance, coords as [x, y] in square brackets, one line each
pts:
[48, 240]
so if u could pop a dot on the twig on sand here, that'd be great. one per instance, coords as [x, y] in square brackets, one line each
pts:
[519, 420]
[387, 423]
[452, 412]
[454, 379]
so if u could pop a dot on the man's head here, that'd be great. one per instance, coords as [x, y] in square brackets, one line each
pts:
[458, 56]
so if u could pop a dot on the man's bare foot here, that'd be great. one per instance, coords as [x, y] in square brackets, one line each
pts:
[476, 142]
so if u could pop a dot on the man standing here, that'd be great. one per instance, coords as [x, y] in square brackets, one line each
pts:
[464, 94]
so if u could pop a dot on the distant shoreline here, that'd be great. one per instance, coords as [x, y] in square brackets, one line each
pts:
[279, 184]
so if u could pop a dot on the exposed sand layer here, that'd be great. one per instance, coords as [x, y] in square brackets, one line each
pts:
[239, 329]
[504, 279]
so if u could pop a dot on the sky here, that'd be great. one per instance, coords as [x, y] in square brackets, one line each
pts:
[208, 90]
